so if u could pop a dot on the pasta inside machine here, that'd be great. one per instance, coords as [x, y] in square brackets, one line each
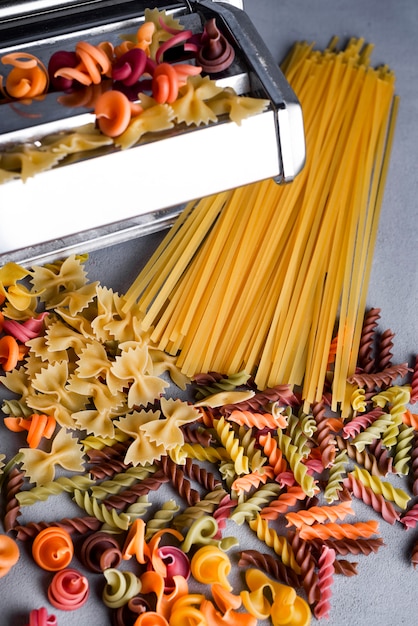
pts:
[106, 195]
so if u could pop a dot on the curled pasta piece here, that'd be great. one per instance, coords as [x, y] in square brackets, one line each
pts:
[229, 618]
[40, 617]
[59, 59]
[9, 353]
[120, 587]
[37, 426]
[153, 582]
[113, 112]
[156, 560]
[28, 78]
[100, 551]
[53, 549]
[151, 618]
[288, 610]
[186, 610]
[177, 564]
[93, 64]
[165, 84]
[69, 590]
[201, 532]
[216, 53]
[9, 554]
[130, 66]
[135, 543]
[144, 36]
[210, 564]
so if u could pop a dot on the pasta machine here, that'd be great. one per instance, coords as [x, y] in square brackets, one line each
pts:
[109, 195]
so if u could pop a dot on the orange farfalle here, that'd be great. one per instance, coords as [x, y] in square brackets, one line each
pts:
[28, 78]
[9, 353]
[9, 554]
[113, 112]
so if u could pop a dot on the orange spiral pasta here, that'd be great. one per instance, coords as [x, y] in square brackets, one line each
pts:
[285, 500]
[275, 455]
[320, 514]
[339, 531]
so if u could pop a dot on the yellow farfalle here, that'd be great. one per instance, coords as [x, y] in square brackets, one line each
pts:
[191, 106]
[65, 452]
[237, 107]
[155, 119]
[53, 397]
[133, 369]
[59, 338]
[167, 431]
[53, 281]
[142, 450]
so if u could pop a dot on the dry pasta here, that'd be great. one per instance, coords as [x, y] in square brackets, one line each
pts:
[284, 261]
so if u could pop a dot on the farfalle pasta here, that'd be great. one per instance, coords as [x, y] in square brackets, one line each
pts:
[282, 467]
[65, 451]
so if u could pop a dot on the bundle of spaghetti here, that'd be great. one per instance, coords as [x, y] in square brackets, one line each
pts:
[262, 277]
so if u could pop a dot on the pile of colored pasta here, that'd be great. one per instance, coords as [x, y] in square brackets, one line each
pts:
[162, 483]
[262, 278]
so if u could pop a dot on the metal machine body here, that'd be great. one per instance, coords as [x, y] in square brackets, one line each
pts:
[112, 195]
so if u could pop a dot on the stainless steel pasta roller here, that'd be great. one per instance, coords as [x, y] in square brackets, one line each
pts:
[105, 195]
